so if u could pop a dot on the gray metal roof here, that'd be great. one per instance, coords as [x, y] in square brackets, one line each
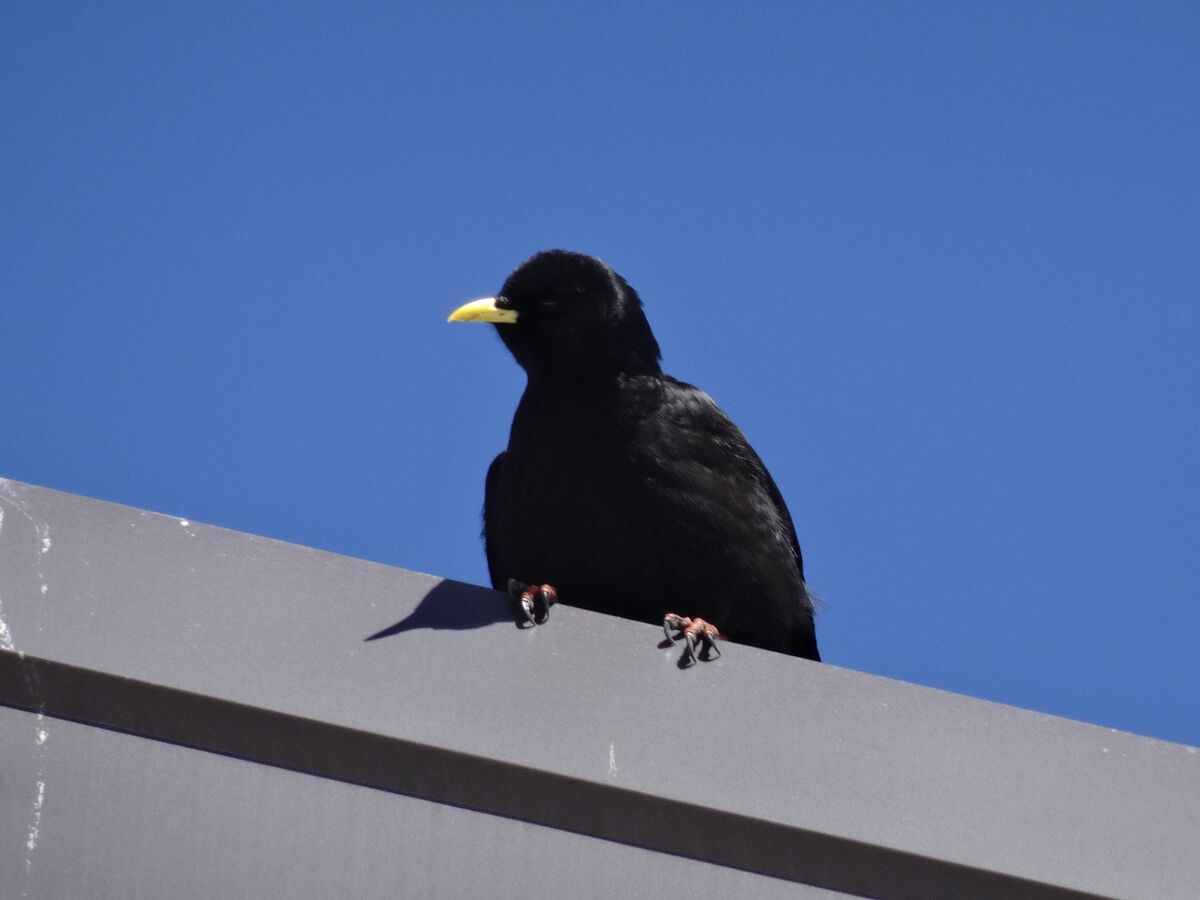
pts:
[462, 756]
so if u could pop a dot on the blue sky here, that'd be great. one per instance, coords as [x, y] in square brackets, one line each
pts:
[939, 261]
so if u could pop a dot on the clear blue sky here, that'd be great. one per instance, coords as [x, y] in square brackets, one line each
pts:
[941, 263]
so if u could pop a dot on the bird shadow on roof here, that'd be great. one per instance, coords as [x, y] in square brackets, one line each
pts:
[452, 605]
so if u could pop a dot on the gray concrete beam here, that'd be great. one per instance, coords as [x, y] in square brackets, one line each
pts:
[214, 640]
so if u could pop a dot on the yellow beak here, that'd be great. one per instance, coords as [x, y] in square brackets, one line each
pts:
[484, 310]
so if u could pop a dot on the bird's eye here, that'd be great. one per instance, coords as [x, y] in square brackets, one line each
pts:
[548, 307]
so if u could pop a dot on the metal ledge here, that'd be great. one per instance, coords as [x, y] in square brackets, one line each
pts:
[254, 649]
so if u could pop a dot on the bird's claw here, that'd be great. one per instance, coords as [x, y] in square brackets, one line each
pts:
[698, 636]
[534, 600]
[526, 604]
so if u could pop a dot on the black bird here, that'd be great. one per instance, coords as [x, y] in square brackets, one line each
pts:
[630, 492]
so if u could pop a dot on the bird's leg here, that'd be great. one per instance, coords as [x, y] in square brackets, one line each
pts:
[692, 631]
[534, 600]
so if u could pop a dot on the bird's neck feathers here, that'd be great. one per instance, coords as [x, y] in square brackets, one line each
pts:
[634, 340]
[630, 348]
[621, 346]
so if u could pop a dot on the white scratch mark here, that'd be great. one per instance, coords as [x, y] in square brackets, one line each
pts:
[6, 641]
[13, 497]
[6, 638]
[34, 832]
[36, 825]
[612, 759]
[184, 522]
[40, 735]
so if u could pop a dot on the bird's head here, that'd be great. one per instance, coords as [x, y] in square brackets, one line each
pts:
[565, 315]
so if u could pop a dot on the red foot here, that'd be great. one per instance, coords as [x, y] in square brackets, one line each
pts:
[534, 600]
[693, 631]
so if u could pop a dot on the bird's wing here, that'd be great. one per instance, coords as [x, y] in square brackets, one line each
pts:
[781, 507]
[722, 500]
[498, 557]
[699, 434]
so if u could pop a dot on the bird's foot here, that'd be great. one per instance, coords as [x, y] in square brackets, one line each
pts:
[698, 636]
[534, 600]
